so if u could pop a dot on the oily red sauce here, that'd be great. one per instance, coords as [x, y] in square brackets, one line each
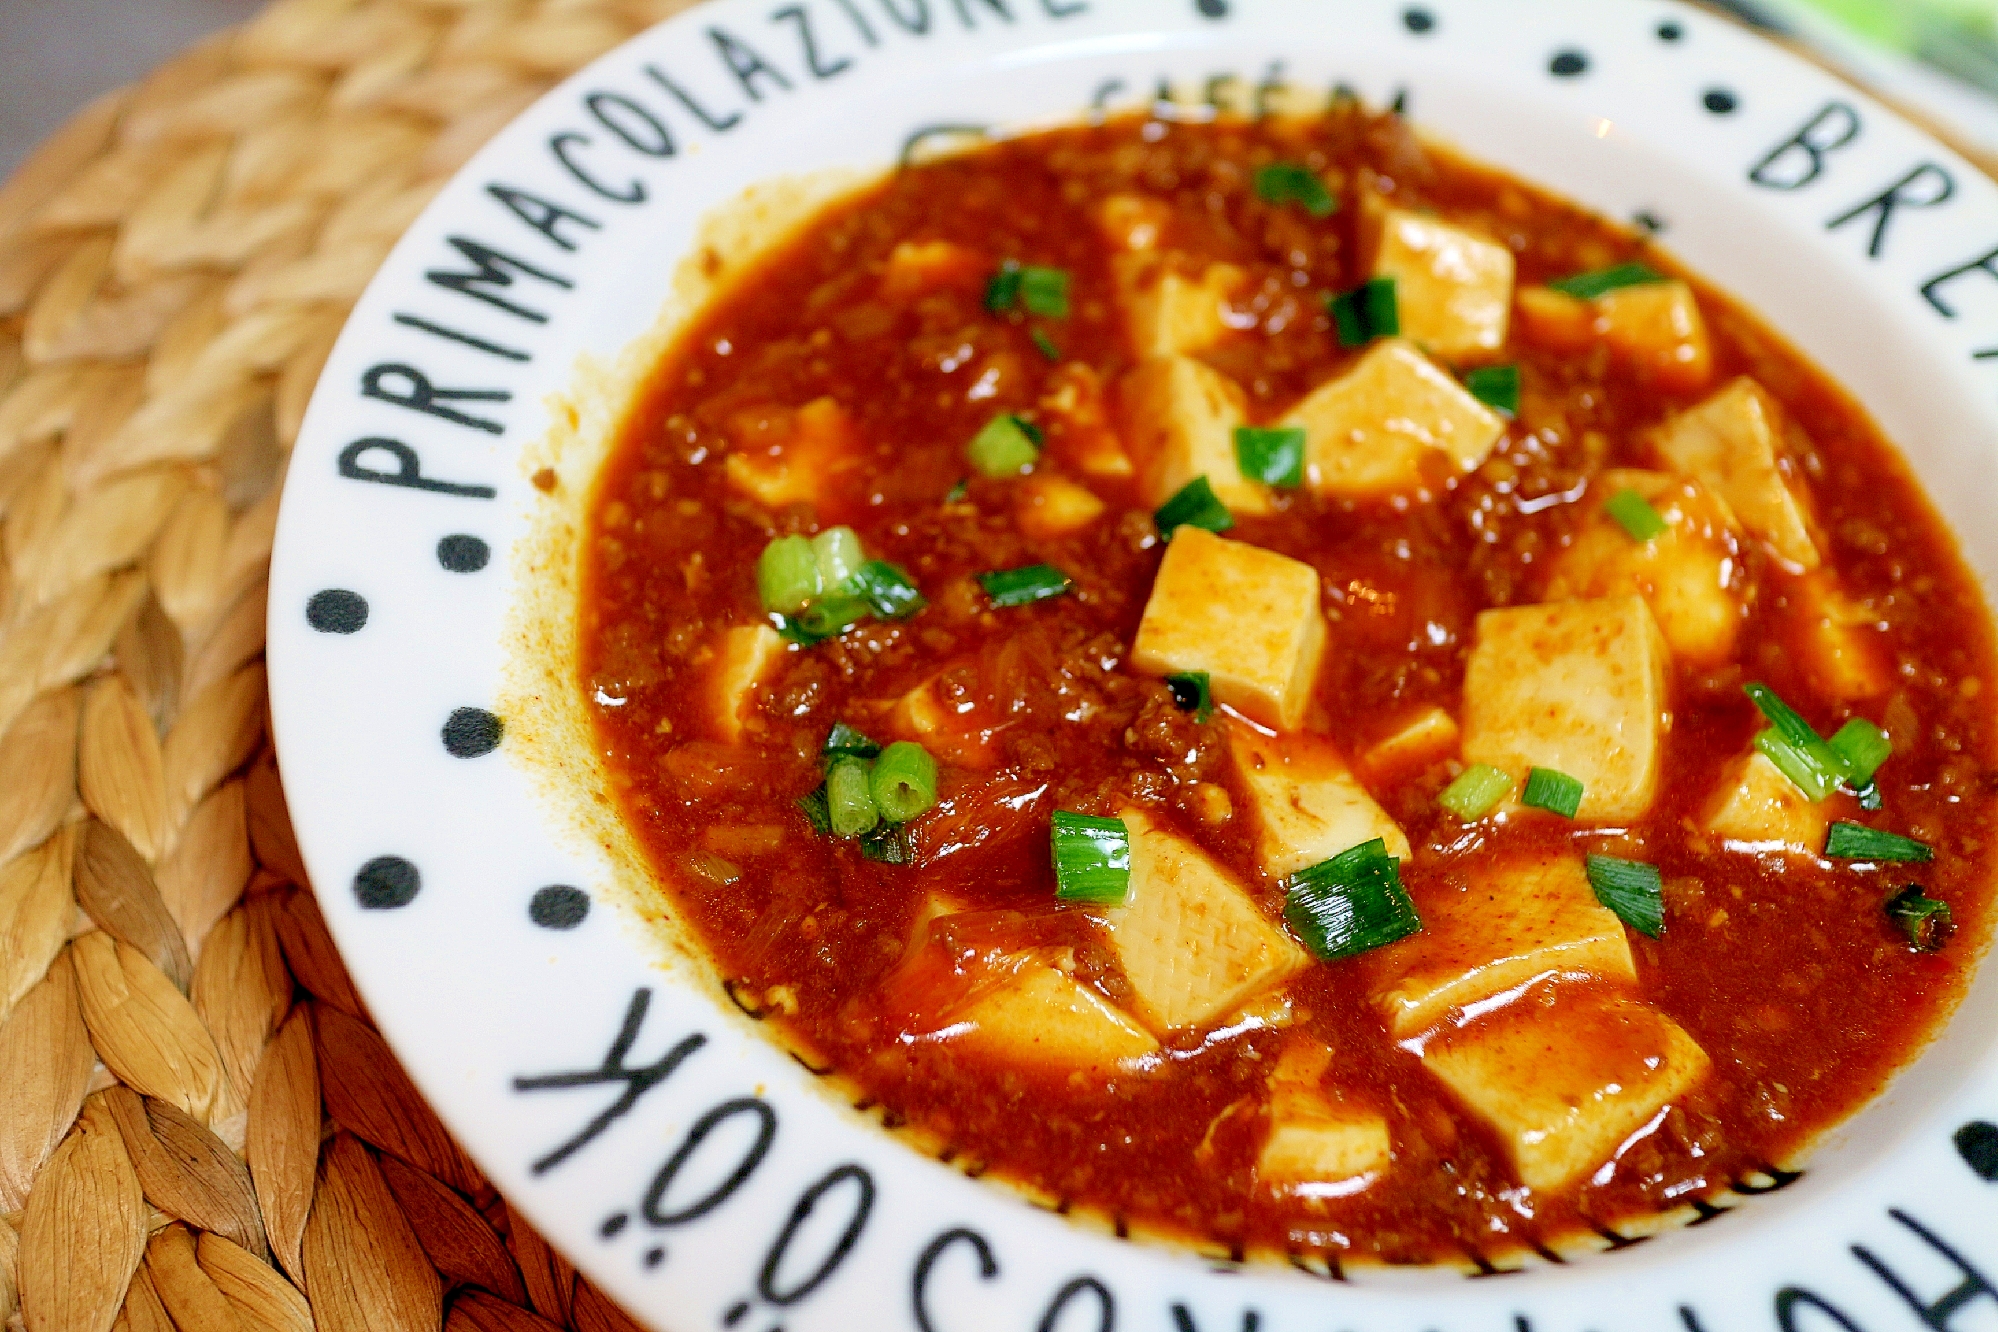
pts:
[1787, 973]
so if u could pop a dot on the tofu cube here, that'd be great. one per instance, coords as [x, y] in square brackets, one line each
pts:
[1838, 639]
[1577, 686]
[1318, 1147]
[1133, 221]
[1690, 577]
[1505, 921]
[1555, 320]
[1079, 426]
[1425, 738]
[1756, 808]
[1731, 445]
[1368, 432]
[1169, 314]
[1192, 942]
[1452, 286]
[954, 735]
[1308, 805]
[744, 658]
[1564, 1086]
[1248, 617]
[783, 457]
[1657, 328]
[1040, 1015]
[916, 267]
[1182, 417]
[1051, 507]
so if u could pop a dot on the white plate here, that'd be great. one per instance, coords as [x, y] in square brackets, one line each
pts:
[685, 1163]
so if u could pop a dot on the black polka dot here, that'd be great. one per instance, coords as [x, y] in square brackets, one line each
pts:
[387, 882]
[1649, 222]
[614, 1225]
[472, 732]
[1670, 31]
[337, 611]
[559, 907]
[1212, 8]
[1977, 1144]
[1720, 101]
[463, 554]
[1418, 20]
[654, 1257]
[1568, 64]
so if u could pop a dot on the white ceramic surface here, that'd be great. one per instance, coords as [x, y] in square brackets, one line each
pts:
[685, 1163]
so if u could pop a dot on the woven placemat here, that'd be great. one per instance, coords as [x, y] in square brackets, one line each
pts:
[199, 1128]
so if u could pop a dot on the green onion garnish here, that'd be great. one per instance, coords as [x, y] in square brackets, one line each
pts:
[1862, 747]
[850, 797]
[1476, 792]
[1869, 797]
[957, 493]
[787, 575]
[1497, 387]
[1927, 922]
[1002, 293]
[1856, 841]
[1367, 312]
[1803, 754]
[1192, 692]
[1588, 286]
[1553, 791]
[1195, 505]
[828, 617]
[1044, 291]
[1092, 858]
[888, 845]
[1021, 587]
[1045, 345]
[844, 741]
[1274, 457]
[816, 811]
[840, 556]
[1633, 890]
[1350, 904]
[1282, 183]
[1634, 514]
[887, 590]
[904, 781]
[1007, 446]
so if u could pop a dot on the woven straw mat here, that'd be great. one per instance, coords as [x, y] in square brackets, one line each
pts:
[200, 1129]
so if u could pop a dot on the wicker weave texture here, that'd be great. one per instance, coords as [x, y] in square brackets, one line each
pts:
[199, 1128]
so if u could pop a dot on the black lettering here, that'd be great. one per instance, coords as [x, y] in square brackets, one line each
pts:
[1986, 263]
[1800, 159]
[1687, 1319]
[408, 471]
[719, 125]
[637, 1081]
[563, 147]
[638, 128]
[988, 1268]
[1056, 10]
[813, 62]
[1787, 1300]
[1182, 1320]
[1270, 85]
[494, 269]
[863, 1204]
[545, 217]
[919, 24]
[1942, 186]
[413, 389]
[1106, 1304]
[1936, 1313]
[1109, 88]
[766, 1132]
[866, 30]
[465, 339]
[996, 6]
[746, 63]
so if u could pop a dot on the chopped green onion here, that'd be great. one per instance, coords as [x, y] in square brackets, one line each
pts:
[1856, 841]
[1192, 692]
[1869, 797]
[1632, 889]
[1002, 293]
[1282, 183]
[1476, 792]
[1553, 791]
[850, 797]
[1862, 747]
[1005, 447]
[904, 781]
[840, 556]
[1588, 286]
[1044, 291]
[1045, 345]
[1497, 387]
[844, 741]
[1021, 587]
[1350, 904]
[1195, 505]
[787, 575]
[1092, 858]
[816, 811]
[1927, 922]
[1634, 514]
[887, 590]
[957, 493]
[1367, 312]
[829, 617]
[1274, 457]
[887, 845]
[1807, 750]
